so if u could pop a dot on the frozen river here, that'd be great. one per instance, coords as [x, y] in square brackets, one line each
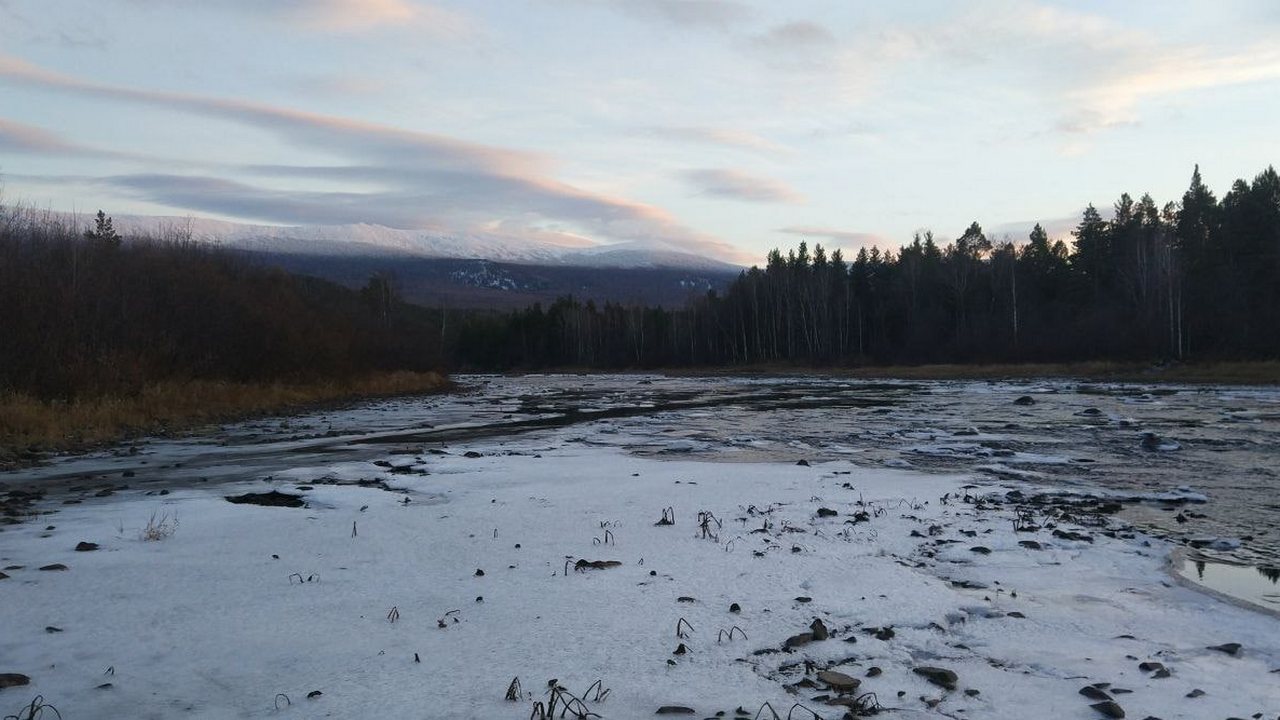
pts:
[1222, 442]
[711, 546]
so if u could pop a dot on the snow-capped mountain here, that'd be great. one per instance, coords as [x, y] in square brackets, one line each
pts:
[364, 240]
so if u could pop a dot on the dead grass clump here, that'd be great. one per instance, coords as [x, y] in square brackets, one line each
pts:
[34, 710]
[159, 528]
[171, 405]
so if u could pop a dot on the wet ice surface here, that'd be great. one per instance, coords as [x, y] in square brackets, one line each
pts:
[405, 500]
[1221, 441]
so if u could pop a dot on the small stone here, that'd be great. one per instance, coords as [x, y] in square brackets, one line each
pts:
[314, 694]
[798, 640]
[680, 650]
[674, 710]
[1109, 708]
[972, 692]
[980, 550]
[8, 680]
[51, 629]
[3, 576]
[55, 566]
[874, 671]
[804, 599]
[686, 599]
[479, 572]
[1030, 544]
[105, 686]
[1025, 400]
[471, 454]
[86, 547]
[941, 677]
[735, 608]
[803, 463]
[1195, 693]
[827, 512]
[1228, 648]
[839, 681]
[819, 630]
[1094, 693]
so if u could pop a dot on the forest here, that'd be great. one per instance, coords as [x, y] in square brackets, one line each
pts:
[87, 314]
[1195, 280]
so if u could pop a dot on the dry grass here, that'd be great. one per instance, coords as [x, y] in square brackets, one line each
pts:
[27, 422]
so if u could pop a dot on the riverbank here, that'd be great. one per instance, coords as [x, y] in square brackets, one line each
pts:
[1262, 372]
[532, 567]
[31, 428]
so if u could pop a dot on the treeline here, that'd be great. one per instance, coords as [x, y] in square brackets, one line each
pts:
[1198, 279]
[86, 313]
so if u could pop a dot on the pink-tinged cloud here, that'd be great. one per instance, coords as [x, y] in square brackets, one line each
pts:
[738, 185]
[429, 179]
[842, 238]
[722, 136]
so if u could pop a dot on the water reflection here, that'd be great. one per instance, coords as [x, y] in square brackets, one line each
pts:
[1255, 585]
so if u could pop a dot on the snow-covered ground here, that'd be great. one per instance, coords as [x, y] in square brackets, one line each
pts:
[426, 599]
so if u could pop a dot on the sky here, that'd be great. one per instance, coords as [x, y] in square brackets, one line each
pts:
[722, 127]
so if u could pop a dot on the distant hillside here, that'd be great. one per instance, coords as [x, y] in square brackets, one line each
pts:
[459, 283]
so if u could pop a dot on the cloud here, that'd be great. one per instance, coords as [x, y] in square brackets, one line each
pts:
[725, 137]
[795, 36]
[19, 138]
[420, 177]
[845, 238]
[716, 14]
[738, 185]
[342, 16]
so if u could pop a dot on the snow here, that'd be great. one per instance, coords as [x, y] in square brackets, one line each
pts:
[364, 239]
[207, 623]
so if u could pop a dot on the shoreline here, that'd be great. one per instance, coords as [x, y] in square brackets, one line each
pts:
[32, 430]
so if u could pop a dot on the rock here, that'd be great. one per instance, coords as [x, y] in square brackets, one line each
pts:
[972, 692]
[1030, 544]
[1094, 693]
[1109, 709]
[314, 694]
[941, 677]
[8, 680]
[981, 550]
[1150, 666]
[839, 681]
[55, 566]
[51, 629]
[797, 640]
[596, 564]
[274, 498]
[680, 650]
[1018, 615]
[1161, 674]
[86, 547]
[674, 710]
[735, 608]
[479, 572]
[1025, 400]
[686, 599]
[819, 630]
[471, 454]
[803, 463]
[3, 576]
[1228, 648]
[827, 512]
[885, 634]
[804, 599]
[1195, 693]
